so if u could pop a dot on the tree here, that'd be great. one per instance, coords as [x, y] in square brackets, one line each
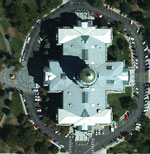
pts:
[26, 137]
[122, 43]
[144, 4]
[41, 147]
[128, 103]
[97, 3]
[132, 2]
[115, 117]
[9, 134]
[2, 92]
[137, 15]
[125, 8]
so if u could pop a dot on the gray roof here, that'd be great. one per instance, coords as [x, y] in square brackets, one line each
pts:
[87, 101]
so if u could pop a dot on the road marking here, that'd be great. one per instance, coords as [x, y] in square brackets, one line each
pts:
[70, 144]
[90, 148]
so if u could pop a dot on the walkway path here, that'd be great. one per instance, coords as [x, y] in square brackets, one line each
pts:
[5, 40]
[3, 120]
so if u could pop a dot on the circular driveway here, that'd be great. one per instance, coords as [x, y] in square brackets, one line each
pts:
[122, 126]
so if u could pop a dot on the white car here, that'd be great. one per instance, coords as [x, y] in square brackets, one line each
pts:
[35, 90]
[62, 146]
[37, 99]
[28, 39]
[56, 132]
[38, 110]
[131, 22]
[145, 48]
[31, 121]
[115, 125]
[37, 96]
[67, 135]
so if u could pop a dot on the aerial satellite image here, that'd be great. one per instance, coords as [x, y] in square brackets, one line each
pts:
[74, 76]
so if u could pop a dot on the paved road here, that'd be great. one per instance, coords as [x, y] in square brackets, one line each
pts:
[123, 126]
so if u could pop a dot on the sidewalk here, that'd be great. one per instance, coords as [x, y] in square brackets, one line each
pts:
[5, 40]
[3, 120]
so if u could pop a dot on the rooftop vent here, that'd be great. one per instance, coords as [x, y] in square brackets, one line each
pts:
[109, 67]
[84, 54]
[63, 76]
[92, 62]
[70, 104]
[92, 89]
[84, 97]
[110, 81]
[69, 93]
[92, 105]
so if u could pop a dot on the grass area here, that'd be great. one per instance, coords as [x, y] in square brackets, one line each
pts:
[119, 54]
[123, 147]
[5, 25]
[16, 45]
[2, 103]
[16, 106]
[114, 102]
[1, 10]
[146, 13]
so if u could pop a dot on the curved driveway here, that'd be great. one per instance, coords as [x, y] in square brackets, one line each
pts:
[122, 126]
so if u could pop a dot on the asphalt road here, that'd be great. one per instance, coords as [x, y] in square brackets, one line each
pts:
[122, 126]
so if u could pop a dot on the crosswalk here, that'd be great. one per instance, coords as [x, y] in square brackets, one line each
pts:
[70, 144]
[92, 145]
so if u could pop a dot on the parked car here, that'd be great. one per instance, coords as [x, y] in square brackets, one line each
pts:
[131, 22]
[36, 127]
[38, 22]
[37, 99]
[28, 39]
[37, 96]
[126, 116]
[38, 109]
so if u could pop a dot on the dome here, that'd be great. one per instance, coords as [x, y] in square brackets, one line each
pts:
[87, 75]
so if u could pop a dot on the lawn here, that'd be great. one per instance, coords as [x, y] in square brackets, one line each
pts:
[119, 54]
[2, 103]
[16, 45]
[114, 102]
[146, 13]
[1, 10]
[5, 25]
[123, 147]
[16, 105]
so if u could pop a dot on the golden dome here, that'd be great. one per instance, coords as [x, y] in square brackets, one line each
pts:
[87, 75]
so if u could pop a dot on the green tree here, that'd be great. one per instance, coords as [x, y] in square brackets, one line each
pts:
[125, 8]
[97, 3]
[41, 147]
[122, 43]
[137, 15]
[128, 103]
[144, 4]
[132, 2]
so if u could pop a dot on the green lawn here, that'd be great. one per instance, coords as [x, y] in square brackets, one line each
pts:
[5, 25]
[119, 54]
[16, 105]
[1, 10]
[114, 102]
[123, 147]
[16, 45]
[2, 104]
[146, 13]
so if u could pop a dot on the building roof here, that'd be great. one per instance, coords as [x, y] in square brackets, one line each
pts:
[102, 117]
[86, 105]
[103, 35]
